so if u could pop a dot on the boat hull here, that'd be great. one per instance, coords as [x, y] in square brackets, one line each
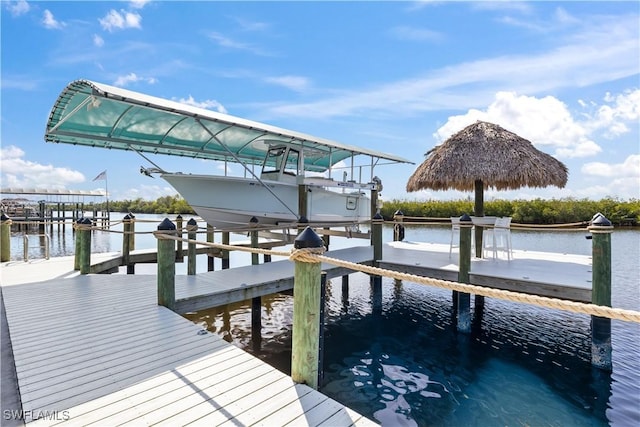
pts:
[230, 202]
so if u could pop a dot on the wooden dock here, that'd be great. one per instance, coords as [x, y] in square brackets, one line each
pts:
[98, 348]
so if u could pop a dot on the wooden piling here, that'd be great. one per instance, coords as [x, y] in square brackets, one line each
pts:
[601, 230]
[256, 302]
[225, 252]
[5, 238]
[84, 230]
[306, 313]
[77, 253]
[126, 242]
[210, 257]
[463, 300]
[192, 228]
[179, 254]
[166, 265]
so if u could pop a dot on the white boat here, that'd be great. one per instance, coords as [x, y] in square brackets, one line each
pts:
[295, 182]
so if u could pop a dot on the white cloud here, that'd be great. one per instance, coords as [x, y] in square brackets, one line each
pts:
[209, 104]
[602, 51]
[98, 41]
[138, 4]
[123, 81]
[145, 192]
[18, 8]
[17, 172]
[543, 121]
[120, 20]
[415, 34]
[296, 83]
[50, 22]
[629, 168]
[614, 116]
[229, 43]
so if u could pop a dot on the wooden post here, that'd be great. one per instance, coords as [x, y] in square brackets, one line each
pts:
[601, 229]
[126, 242]
[166, 265]
[78, 252]
[376, 237]
[210, 257]
[5, 238]
[326, 238]
[305, 345]
[192, 228]
[256, 302]
[179, 254]
[131, 268]
[225, 252]
[345, 290]
[398, 228]
[323, 294]
[303, 201]
[464, 299]
[84, 230]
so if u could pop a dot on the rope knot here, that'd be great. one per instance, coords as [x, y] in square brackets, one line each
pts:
[306, 254]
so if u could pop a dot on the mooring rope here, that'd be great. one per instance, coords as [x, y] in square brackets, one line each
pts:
[315, 255]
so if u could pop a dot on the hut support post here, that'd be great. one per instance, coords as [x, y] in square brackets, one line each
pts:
[305, 347]
[463, 300]
[5, 238]
[166, 265]
[601, 229]
[478, 210]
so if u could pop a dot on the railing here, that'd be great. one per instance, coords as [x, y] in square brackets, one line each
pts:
[25, 239]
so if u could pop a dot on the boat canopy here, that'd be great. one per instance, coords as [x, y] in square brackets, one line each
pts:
[98, 115]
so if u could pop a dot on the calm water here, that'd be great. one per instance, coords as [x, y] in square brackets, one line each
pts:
[405, 365]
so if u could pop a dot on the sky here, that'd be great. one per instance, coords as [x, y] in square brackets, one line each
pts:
[399, 77]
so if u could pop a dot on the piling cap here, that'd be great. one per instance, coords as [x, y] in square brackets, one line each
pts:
[378, 217]
[308, 239]
[4, 217]
[398, 213]
[127, 217]
[192, 222]
[600, 220]
[84, 220]
[166, 224]
[465, 218]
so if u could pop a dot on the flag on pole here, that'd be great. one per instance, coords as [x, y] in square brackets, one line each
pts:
[101, 176]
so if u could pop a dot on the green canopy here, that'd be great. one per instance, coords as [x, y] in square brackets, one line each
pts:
[98, 115]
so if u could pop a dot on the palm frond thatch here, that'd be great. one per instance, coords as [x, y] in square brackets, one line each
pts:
[488, 153]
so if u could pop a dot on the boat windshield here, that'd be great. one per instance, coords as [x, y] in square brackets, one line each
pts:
[281, 160]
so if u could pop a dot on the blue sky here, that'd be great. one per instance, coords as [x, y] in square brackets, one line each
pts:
[399, 77]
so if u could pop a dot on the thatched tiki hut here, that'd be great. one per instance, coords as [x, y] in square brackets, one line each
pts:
[485, 155]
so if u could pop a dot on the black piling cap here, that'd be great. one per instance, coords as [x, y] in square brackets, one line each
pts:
[308, 239]
[378, 217]
[465, 218]
[253, 220]
[166, 224]
[600, 221]
[127, 217]
[84, 220]
[192, 222]
[4, 217]
[398, 213]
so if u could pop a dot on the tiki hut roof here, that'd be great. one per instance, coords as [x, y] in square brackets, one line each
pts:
[486, 152]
